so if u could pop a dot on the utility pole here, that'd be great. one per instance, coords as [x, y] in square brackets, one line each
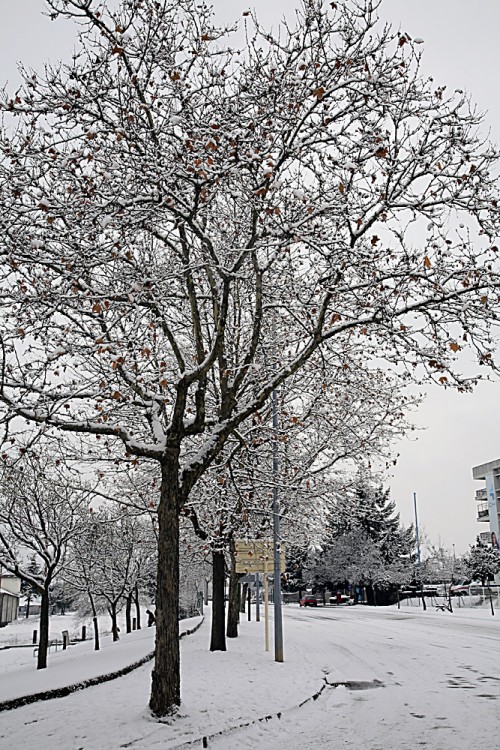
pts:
[278, 619]
[416, 526]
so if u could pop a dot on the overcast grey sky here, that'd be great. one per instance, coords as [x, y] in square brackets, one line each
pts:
[462, 41]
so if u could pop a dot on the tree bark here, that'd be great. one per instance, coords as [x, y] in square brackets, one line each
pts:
[233, 603]
[166, 681]
[424, 605]
[96, 633]
[243, 598]
[218, 639]
[95, 623]
[128, 613]
[137, 607]
[43, 643]
[114, 623]
[491, 599]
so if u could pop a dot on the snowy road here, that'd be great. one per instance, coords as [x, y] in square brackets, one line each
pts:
[438, 677]
[398, 680]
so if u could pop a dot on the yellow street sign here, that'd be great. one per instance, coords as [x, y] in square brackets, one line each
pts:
[257, 555]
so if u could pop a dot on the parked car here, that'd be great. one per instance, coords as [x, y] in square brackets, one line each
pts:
[308, 601]
[460, 589]
[344, 599]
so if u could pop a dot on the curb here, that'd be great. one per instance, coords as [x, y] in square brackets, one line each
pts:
[203, 741]
[61, 692]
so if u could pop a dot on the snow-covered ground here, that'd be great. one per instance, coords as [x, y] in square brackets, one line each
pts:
[396, 679]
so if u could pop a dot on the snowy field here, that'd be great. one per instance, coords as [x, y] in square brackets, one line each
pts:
[389, 680]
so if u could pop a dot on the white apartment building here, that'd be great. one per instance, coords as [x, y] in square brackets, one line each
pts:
[488, 499]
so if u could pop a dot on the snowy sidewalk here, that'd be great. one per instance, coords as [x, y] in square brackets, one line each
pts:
[76, 665]
[220, 690]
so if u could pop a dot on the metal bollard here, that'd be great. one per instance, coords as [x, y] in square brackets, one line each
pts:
[35, 636]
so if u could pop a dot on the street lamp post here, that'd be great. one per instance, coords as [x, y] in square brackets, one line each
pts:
[278, 619]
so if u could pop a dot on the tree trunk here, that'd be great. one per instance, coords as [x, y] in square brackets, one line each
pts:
[450, 607]
[233, 603]
[218, 640]
[114, 623]
[128, 611]
[166, 680]
[491, 599]
[137, 606]
[95, 623]
[96, 634]
[43, 643]
[243, 598]
[28, 602]
[424, 605]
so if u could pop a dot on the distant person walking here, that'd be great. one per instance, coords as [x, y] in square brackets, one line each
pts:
[151, 618]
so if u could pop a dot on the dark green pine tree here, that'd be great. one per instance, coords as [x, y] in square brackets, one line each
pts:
[367, 507]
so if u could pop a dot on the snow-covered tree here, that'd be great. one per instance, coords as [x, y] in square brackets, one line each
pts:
[61, 597]
[113, 572]
[366, 506]
[28, 590]
[357, 558]
[440, 564]
[482, 562]
[365, 541]
[41, 510]
[184, 224]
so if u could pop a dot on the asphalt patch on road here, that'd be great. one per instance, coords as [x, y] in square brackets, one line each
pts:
[357, 684]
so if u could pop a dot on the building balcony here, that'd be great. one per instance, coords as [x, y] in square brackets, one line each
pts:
[485, 537]
[483, 513]
[481, 494]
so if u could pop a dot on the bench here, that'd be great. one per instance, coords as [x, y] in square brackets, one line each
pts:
[54, 643]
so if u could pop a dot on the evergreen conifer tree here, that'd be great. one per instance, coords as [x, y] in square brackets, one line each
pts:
[366, 507]
[27, 588]
[482, 562]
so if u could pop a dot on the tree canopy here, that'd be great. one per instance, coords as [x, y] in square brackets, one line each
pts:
[185, 224]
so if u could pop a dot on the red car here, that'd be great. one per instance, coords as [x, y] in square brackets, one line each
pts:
[308, 601]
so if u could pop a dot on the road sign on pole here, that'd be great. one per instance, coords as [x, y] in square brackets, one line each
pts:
[250, 556]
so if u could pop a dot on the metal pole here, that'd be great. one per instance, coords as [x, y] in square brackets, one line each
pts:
[266, 604]
[278, 620]
[257, 597]
[416, 526]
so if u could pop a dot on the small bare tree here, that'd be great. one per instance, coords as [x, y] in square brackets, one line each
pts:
[41, 512]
